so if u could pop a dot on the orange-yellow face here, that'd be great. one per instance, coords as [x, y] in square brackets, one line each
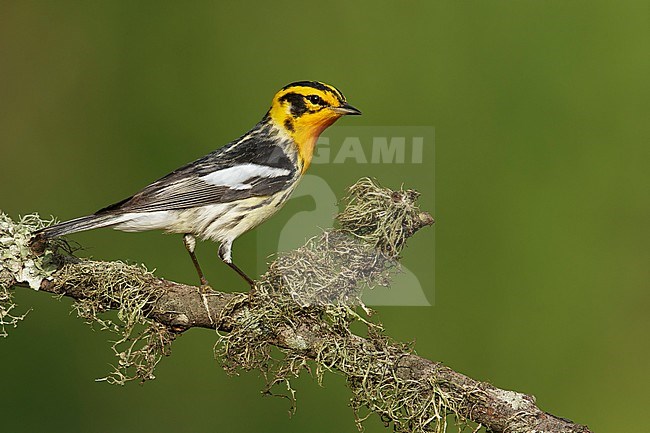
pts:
[304, 109]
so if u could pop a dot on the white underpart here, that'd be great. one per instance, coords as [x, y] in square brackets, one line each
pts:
[220, 222]
[190, 242]
[237, 177]
[143, 221]
[225, 251]
[208, 222]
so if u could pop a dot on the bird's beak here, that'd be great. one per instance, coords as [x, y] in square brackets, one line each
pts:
[346, 109]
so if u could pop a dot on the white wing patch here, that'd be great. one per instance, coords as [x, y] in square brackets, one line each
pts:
[237, 177]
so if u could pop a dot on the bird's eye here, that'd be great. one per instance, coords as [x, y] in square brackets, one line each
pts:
[315, 99]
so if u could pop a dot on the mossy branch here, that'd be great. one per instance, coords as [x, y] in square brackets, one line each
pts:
[303, 306]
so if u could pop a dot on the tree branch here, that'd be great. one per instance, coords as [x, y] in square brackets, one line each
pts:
[303, 305]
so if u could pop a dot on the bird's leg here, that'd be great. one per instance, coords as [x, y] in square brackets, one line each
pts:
[190, 244]
[225, 254]
[241, 274]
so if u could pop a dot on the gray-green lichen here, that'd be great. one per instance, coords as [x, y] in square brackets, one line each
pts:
[131, 291]
[104, 286]
[382, 217]
[320, 285]
[19, 265]
[16, 258]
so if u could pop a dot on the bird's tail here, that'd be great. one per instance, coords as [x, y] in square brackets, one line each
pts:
[77, 225]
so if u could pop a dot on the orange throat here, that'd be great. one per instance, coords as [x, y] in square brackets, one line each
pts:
[305, 139]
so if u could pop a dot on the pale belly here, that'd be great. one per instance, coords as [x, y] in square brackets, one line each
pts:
[220, 222]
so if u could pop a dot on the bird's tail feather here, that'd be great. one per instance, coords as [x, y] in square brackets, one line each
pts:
[78, 225]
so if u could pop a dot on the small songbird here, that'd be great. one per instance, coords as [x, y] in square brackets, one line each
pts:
[234, 188]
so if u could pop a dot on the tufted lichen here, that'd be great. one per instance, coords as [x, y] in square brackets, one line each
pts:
[314, 291]
[18, 265]
[106, 286]
[297, 318]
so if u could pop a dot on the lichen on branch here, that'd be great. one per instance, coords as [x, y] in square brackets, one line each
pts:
[101, 286]
[318, 286]
[19, 265]
[303, 307]
[132, 292]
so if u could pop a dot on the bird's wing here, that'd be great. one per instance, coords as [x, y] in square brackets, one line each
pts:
[252, 170]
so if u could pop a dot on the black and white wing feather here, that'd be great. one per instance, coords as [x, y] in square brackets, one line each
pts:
[256, 165]
[256, 169]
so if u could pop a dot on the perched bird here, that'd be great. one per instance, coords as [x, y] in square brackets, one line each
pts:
[234, 188]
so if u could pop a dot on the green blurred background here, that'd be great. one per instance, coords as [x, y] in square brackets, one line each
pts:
[541, 117]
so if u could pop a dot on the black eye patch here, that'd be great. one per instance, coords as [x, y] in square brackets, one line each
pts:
[297, 103]
[315, 99]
